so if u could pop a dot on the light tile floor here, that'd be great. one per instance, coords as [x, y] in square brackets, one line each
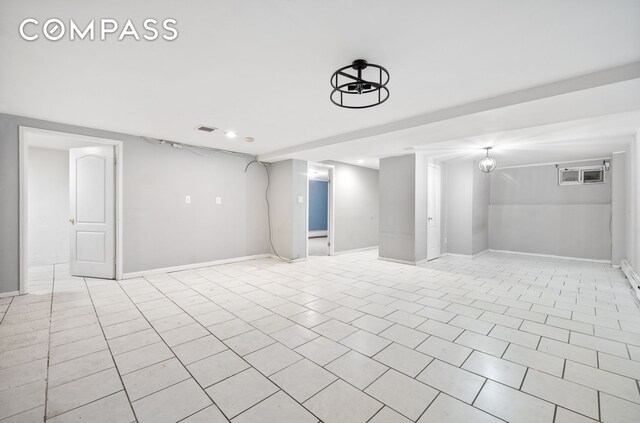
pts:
[335, 339]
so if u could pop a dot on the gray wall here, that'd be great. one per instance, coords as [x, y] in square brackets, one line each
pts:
[160, 230]
[619, 207]
[356, 207]
[289, 218]
[633, 198]
[397, 208]
[48, 210]
[531, 213]
[458, 209]
[480, 219]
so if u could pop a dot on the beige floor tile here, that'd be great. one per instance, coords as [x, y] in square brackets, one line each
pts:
[114, 408]
[78, 368]
[303, 379]
[441, 330]
[342, 403]
[217, 367]
[402, 393]
[142, 357]
[357, 369]
[517, 337]
[512, 405]
[34, 371]
[575, 397]
[452, 380]
[171, 404]
[617, 410]
[294, 336]
[249, 342]
[23, 398]
[444, 350]
[68, 396]
[403, 359]
[211, 414]
[240, 392]
[154, 378]
[602, 381]
[403, 335]
[371, 324]
[365, 342]
[450, 410]
[334, 330]
[387, 415]
[280, 408]
[569, 351]
[198, 349]
[322, 350]
[535, 359]
[482, 343]
[495, 368]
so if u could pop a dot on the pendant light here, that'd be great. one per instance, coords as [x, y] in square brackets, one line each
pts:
[487, 164]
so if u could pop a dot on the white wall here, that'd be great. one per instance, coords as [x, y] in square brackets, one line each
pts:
[356, 193]
[480, 219]
[458, 224]
[397, 208]
[289, 218]
[531, 213]
[48, 206]
[633, 196]
[160, 230]
[619, 207]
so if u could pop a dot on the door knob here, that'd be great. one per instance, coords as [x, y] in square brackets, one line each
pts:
[72, 220]
[429, 219]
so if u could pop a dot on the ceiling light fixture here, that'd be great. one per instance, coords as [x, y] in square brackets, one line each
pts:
[347, 85]
[360, 161]
[487, 164]
[249, 139]
[231, 134]
[206, 128]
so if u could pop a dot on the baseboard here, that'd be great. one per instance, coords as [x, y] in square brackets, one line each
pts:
[286, 260]
[632, 276]
[9, 294]
[481, 253]
[392, 260]
[469, 256]
[550, 256]
[131, 275]
[355, 250]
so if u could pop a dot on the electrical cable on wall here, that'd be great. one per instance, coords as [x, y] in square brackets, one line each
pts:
[209, 152]
[266, 197]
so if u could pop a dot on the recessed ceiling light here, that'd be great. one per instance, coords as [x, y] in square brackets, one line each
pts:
[231, 134]
[206, 128]
[249, 139]
[360, 161]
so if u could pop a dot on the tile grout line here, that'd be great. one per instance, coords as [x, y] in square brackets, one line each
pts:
[124, 388]
[46, 386]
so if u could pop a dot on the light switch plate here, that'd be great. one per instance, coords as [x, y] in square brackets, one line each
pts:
[300, 199]
[218, 200]
[187, 199]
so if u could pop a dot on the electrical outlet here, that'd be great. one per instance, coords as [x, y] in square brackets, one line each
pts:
[187, 199]
[300, 199]
[218, 200]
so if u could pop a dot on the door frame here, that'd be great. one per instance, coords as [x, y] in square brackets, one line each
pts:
[437, 187]
[330, 212]
[24, 132]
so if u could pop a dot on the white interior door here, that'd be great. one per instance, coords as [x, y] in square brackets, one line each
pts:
[92, 207]
[433, 211]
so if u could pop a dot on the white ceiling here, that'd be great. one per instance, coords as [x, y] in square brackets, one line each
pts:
[262, 68]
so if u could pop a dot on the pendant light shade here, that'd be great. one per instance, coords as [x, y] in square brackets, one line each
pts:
[487, 164]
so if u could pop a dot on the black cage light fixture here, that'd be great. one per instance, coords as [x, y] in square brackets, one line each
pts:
[359, 85]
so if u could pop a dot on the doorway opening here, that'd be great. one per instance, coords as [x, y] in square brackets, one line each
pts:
[434, 186]
[320, 217]
[70, 207]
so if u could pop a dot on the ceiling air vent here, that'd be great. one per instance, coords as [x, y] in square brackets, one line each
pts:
[206, 128]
